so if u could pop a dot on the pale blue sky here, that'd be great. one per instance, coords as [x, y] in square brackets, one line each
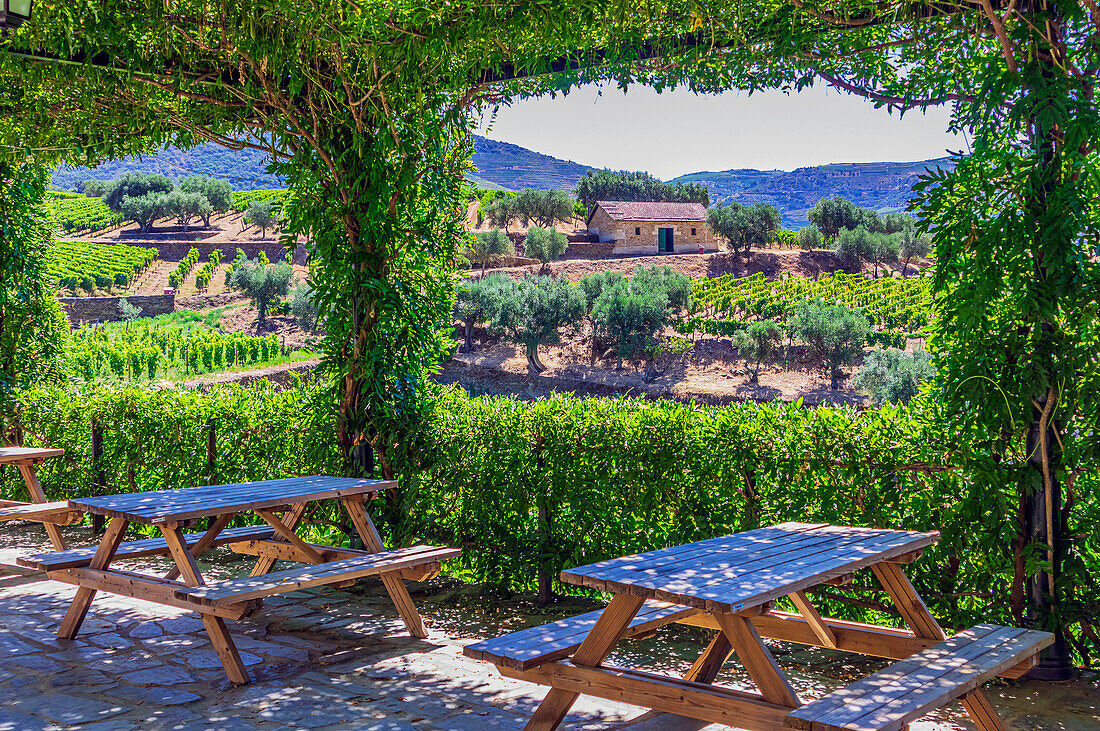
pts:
[678, 132]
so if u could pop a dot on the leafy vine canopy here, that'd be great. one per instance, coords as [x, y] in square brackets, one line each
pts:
[93, 79]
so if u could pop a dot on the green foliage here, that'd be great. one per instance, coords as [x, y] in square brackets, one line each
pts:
[144, 210]
[217, 192]
[628, 318]
[854, 246]
[76, 215]
[261, 214]
[544, 244]
[127, 310]
[303, 308]
[893, 304]
[911, 245]
[744, 226]
[94, 188]
[186, 207]
[758, 342]
[893, 376]
[135, 185]
[595, 284]
[533, 312]
[488, 247]
[663, 279]
[202, 279]
[479, 300]
[543, 207]
[623, 185]
[832, 215]
[152, 349]
[263, 283]
[33, 328]
[836, 334]
[242, 199]
[809, 237]
[179, 274]
[238, 260]
[77, 265]
[502, 212]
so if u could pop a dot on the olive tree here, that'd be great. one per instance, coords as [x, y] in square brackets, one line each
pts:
[479, 300]
[261, 215]
[263, 283]
[757, 343]
[535, 311]
[836, 333]
[744, 226]
[544, 244]
[893, 376]
[218, 193]
[488, 246]
[809, 238]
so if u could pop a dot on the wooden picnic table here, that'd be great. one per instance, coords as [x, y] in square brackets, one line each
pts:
[728, 584]
[50, 514]
[282, 505]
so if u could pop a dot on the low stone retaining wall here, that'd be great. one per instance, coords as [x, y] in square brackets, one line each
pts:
[105, 309]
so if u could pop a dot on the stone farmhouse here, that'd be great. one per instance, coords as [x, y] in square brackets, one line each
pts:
[652, 227]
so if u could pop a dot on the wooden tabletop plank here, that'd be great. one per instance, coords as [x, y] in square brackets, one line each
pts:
[733, 575]
[163, 506]
[716, 560]
[12, 455]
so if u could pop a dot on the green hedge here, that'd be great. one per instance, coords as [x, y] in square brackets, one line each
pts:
[528, 488]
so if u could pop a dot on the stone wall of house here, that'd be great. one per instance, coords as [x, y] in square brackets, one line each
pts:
[105, 309]
[640, 237]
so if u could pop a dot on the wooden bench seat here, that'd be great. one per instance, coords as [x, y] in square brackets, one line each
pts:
[332, 572]
[534, 646]
[56, 513]
[912, 688]
[77, 557]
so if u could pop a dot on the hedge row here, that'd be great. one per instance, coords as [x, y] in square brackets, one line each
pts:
[530, 488]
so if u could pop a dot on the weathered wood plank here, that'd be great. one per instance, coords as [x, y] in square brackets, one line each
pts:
[597, 644]
[911, 688]
[181, 504]
[709, 703]
[56, 513]
[27, 455]
[74, 557]
[277, 550]
[148, 588]
[279, 582]
[528, 648]
[291, 518]
[104, 552]
[38, 495]
[757, 659]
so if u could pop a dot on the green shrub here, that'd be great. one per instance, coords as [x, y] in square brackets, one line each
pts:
[893, 376]
[304, 307]
[487, 247]
[479, 300]
[836, 333]
[628, 318]
[595, 284]
[664, 279]
[809, 237]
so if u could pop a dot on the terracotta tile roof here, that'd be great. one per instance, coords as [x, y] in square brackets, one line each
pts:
[653, 211]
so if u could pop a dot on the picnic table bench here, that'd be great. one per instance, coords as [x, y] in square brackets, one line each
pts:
[729, 584]
[50, 514]
[281, 504]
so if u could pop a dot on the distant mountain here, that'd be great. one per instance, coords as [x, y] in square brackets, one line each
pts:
[245, 169]
[881, 186]
[514, 168]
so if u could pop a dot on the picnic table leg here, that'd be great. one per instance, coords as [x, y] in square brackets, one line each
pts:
[205, 542]
[113, 536]
[758, 661]
[290, 519]
[215, 626]
[395, 587]
[39, 496]
[594, 650]
[707, 667]
[920, 620]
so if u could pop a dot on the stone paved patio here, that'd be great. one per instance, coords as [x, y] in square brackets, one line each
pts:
[327, 659]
